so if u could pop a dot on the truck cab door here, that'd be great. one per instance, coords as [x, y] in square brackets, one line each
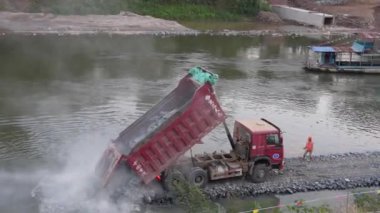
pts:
[257, 145]
[274, 148]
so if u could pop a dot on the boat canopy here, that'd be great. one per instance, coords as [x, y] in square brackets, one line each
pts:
[358, 46]
[322, 49]
[362, 46]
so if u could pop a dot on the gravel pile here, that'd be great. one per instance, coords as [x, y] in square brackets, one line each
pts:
[351, 21]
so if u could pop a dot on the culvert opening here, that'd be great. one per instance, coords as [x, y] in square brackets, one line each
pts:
[328, 21]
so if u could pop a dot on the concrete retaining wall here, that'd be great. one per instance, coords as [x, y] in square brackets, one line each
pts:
[303, 16]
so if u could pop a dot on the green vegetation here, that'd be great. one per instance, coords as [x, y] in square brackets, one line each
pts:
[200, 9]
[183, 11]
[237, 208]
[79, 6]
[307, 209]
[227, 10]
[368, 202]
[192, 199]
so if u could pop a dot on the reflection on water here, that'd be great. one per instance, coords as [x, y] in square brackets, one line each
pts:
[55, 89]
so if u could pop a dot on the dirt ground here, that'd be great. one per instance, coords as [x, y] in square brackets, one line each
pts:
[354, 13]
[124, 23]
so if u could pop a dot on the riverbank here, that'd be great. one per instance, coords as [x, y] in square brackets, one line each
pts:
[231, 10]
[330, 172]
[96, 17]
[127, 23]
[124, 23]
[349, 13]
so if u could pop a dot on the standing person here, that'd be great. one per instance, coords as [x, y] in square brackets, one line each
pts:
[308, 147]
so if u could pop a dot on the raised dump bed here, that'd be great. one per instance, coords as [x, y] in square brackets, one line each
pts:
[153, 142]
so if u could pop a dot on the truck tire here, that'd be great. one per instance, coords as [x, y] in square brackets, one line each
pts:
[198, 177]
[171, 179]
[259, 173]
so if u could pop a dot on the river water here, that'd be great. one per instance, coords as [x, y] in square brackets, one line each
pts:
[62, 99]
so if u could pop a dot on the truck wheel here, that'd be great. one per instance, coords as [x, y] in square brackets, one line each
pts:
[171, 179]
[259, 173]
[198, 177]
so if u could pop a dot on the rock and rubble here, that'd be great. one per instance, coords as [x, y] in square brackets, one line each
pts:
[348, 13]
[330, 172]
[269, 17]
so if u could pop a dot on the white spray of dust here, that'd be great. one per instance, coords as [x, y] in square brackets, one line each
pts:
[73, 188]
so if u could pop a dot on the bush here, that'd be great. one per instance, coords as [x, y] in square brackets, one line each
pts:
[183, 11]
[170, 9]
[243, 7]
[306, 209]
[192, 199]
[368, 202]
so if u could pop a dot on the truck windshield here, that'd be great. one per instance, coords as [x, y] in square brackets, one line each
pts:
[273, 139]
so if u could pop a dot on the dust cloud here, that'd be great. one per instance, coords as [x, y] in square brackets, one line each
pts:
[74, 187]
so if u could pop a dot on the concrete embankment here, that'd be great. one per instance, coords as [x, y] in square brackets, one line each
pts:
[332, 172]
[303, 16]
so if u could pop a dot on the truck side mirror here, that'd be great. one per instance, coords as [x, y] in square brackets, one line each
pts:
[281, 140]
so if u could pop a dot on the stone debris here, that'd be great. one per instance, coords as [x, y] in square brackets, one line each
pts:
[328, 172]
[269, 17]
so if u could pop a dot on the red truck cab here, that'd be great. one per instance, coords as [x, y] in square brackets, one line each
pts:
[264, 140]
[257, 148]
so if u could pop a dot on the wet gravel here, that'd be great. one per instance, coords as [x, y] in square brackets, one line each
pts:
[330, 172]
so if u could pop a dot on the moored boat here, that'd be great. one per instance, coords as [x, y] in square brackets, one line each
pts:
[361, 57]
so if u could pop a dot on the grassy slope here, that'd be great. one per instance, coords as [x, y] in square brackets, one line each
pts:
[184, 12]
[222, 10]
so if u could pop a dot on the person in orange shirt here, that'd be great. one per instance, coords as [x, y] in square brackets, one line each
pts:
[308, 148]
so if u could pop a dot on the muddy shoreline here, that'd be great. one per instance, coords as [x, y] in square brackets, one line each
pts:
[330, 172]
[127, 23]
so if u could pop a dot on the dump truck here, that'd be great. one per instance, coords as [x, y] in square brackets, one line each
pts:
[151, 146]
